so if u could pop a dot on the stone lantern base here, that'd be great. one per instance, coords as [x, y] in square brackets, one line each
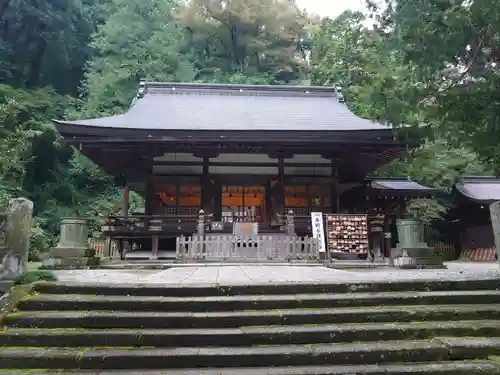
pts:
[416, 258]
[412, 251]
[73, 249]
[61, 257]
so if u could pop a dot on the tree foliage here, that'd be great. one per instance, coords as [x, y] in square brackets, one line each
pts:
[379, 83]
[139, 40]
[46, 42]
[453, 49]
[256, 38]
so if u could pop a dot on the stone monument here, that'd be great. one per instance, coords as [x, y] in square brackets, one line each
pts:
[73, 250]
[17, 237]
[495, 223]
[412, 251]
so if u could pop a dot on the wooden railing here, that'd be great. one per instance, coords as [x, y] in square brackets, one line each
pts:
[147, 225]
[446, 251]
[240, 248]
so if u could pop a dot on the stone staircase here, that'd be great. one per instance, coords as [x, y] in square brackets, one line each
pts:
[382, 328]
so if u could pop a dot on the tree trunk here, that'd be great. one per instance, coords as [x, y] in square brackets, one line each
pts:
[36, 64]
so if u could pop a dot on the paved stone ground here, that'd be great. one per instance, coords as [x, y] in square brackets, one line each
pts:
[262, 274]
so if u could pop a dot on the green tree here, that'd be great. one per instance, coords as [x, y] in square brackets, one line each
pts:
[262, 40]
[46, 42]
[453, 47]
[368, 69]
[379, 83]
[140, 39]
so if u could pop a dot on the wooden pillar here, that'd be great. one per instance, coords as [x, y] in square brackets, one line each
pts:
[334, 188]
[177, 197]
[200, 227]
[205, 184]
[150, 196]
[290, 224]
[125, 200]
[309, 198]
[387, 236]
[154, 247]
[281, 184]
[148, 210]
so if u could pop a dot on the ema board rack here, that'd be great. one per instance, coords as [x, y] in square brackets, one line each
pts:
[347, 233]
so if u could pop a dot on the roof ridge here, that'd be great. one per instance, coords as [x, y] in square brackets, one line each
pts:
[241, 92]
[237, 86]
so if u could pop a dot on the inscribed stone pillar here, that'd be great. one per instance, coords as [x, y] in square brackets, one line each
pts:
[17, 238]
[495, 223]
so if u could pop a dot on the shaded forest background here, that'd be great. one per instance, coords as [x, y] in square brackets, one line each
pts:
[431, 65]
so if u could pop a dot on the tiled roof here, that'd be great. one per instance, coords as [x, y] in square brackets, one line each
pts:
[183, 106]
[481, 189]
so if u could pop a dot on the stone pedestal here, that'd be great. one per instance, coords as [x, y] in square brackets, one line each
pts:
[495, 223]
[412, 251]
[17, 237]
[73, 249]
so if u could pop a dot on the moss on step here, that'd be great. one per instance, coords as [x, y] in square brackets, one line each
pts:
[494, 359]
[81, 349]
[15, 294]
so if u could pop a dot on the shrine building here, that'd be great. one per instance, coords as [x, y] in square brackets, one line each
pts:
[240, 153]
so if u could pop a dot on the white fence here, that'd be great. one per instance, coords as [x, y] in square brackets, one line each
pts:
[240, 248]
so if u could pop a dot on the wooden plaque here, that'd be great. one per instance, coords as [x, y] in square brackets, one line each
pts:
[246, 229]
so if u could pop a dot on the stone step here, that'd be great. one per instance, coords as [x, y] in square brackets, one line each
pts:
[246, 336]
[232, 319]
[477, 367]
[256, 356]
[253, 302]
[176, 290]
[5, 285]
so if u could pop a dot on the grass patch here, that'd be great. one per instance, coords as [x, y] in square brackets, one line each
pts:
[33, 266]
[30, 277]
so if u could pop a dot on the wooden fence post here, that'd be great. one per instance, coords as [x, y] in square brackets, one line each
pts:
[290, 224]
[201, 223]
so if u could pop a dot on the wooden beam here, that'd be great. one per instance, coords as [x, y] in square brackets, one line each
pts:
[238, 164]
[255, 141]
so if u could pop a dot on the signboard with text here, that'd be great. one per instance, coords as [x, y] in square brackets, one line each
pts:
[318, 230]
